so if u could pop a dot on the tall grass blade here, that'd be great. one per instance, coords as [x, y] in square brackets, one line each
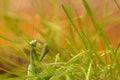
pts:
[116, 2]
[97, 26]
[75, 27]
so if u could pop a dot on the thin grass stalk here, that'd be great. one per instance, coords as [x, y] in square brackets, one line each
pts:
[118, 5]
[75, 27]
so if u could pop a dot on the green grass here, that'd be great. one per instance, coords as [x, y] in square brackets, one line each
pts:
[73, 52]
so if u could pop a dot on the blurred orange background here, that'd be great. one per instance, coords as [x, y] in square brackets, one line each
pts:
[28, 10]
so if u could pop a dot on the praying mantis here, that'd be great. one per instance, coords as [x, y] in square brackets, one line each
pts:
[32, 68]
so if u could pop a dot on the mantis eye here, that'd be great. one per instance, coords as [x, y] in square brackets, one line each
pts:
[33, 43]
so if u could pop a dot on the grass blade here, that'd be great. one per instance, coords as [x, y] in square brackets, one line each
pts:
[117, 4]
[89, 70]
[75, 27]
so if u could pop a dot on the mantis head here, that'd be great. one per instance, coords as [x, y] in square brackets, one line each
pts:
[33, 43]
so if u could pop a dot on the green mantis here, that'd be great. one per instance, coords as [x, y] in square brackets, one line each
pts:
[32, 68]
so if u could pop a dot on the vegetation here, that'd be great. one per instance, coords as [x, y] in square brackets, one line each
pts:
[57, 52]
